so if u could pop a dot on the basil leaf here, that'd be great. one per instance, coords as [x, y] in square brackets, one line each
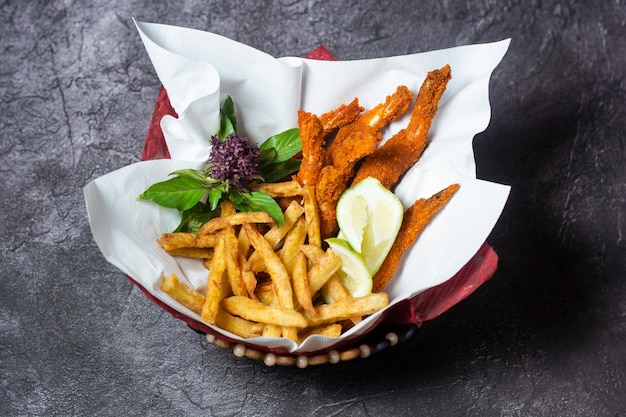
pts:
[258, 201]
[215, 195]
[180, 193]
[278, 171]
[228, 120]
[194, 218]
[287, 144]
[267, 156]
[236, 197]
[195, 174]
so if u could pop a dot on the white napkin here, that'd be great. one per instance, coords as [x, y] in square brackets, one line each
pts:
[198, 69]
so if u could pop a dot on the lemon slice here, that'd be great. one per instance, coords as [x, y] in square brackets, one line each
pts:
[354, 273]
[369, 217]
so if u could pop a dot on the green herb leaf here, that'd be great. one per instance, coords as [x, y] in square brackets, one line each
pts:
[196, 175]
[258, 201]
[180, 193]
[228, 120]
[287, 144]
[278, 171]
[194, 218]
[215, 195]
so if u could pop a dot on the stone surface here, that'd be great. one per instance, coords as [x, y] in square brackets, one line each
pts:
[546, 336]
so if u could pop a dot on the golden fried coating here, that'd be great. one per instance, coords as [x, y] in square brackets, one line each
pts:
[390, 161]
[353, 142]
[312, 138]
[340, 116]
[414, 221]
[361, 137]
[327, 192]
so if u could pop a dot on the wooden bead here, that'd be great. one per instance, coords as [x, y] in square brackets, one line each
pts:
[253, 354]
[221, 343]
[239, 350]
[302, 361]
[350, 354]
[284, 360]
[318, 359]
[269, 359]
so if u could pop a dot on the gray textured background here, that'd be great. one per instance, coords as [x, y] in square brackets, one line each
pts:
[545, 337]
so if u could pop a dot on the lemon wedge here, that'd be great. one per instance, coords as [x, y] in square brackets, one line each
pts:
[369, 218]
[354, 273]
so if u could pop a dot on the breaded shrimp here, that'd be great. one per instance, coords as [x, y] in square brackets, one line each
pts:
[361, 137]
[352, 143]
[414, 221]
[327, 192]
[389, 162]
[312, 138]
[341, 116]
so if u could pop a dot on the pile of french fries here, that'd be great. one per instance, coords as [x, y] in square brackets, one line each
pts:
[269, 279]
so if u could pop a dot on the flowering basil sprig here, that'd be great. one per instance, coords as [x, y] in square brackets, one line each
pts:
[233, 166]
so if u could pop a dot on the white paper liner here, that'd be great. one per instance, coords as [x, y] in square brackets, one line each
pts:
[267, 93]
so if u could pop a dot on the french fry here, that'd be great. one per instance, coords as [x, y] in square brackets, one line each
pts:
[255, 311]
[276, 234]
[294, 239]
[249, 280]
[325, 264]
[280, 189]
[237, 325]
[311, 214]
[233, 265]
[301, 288]
[180, 292]
[272, 330]
[335, 290]
[275, 267]
[244, 217]
[290, 333]
[264, 292]
[171, 241]
[197, 253]
[329, 330]
[215, 286]
[227, 208]
[343, 310]
[244, 243]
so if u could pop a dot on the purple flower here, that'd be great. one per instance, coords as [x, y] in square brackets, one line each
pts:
[234, 161]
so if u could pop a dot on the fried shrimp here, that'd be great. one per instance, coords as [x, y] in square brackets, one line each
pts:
[312, 138]
[353, 142]
[414, 221]
[328, 190]
[390, 161]
[341, 116]
[361, 137]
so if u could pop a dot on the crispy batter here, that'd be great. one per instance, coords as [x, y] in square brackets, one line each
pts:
[327, 193]
[340, 116]
[312, 138]
[389, 162]
[352, 143]
[360, 138]
[414, 221]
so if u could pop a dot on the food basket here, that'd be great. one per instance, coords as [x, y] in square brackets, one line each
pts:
[396, 325]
